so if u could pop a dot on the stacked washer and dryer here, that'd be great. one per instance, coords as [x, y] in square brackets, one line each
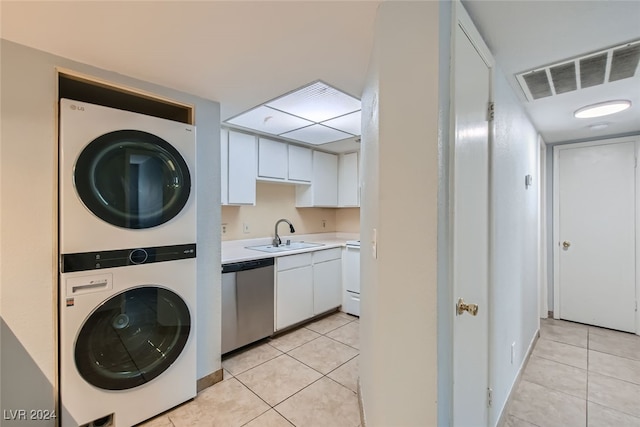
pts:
[127, 265]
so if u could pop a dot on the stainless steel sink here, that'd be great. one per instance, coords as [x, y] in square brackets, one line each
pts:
[284, 247]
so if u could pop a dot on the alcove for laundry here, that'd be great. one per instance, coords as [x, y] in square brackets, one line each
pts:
[83, 88]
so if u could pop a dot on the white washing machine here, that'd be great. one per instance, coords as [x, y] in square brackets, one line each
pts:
[127, 336]
[127, 265]
[127, 180]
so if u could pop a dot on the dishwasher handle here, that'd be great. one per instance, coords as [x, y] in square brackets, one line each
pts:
[247, 265]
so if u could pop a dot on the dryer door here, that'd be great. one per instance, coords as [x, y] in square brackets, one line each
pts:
[132, 338]
[132, 179]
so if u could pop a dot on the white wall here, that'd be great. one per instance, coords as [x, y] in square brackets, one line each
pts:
[514, 234]
[28, 225]
[398, 366]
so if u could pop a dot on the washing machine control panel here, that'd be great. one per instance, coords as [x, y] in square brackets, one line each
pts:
[123, 257]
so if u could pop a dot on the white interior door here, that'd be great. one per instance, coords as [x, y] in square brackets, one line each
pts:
[596, 234]
[470, 202]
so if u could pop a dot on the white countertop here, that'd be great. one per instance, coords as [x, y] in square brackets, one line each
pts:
[236, 250]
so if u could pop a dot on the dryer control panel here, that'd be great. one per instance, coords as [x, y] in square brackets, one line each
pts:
[123, 257]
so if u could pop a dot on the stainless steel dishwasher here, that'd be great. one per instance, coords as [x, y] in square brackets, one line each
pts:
[247, 302]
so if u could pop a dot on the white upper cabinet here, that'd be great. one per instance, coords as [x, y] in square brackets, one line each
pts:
[348, 182]
[323, 190]
[224, 166]
[300, 163]
[272, 159]
[242, 169]
[282, 162]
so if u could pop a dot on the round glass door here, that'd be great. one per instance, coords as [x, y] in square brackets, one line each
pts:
[132, 338]
[132, 179]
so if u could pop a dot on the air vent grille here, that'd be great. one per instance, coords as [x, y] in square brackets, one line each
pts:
[624, 62]
[597, 68]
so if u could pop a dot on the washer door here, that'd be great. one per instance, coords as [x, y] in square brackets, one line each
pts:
[132, 179]
[132, 338]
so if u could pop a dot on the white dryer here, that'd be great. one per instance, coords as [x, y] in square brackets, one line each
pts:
[126, 179]
[127, 335]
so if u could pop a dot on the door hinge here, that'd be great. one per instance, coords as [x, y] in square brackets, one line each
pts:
[490, 111]
[635, 165]
[489, 397]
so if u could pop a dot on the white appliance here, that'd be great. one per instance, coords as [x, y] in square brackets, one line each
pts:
[127, 265]
[351, 262]
[127, 336]
[126, 179]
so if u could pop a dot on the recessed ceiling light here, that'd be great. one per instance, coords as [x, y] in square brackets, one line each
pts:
[314, 114]
[602, 109]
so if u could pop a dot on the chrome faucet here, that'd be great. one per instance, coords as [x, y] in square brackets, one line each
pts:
[276, 240]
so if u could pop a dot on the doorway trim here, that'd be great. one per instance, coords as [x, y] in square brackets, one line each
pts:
[543, 305]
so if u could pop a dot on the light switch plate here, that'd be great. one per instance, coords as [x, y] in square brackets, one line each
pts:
[374, 243]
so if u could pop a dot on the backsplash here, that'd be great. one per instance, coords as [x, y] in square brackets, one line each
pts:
[275, 201]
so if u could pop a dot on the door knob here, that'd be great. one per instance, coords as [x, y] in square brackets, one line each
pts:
[566, 244]
[462, 306]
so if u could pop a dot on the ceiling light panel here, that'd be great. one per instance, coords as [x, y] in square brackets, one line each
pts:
[316, 135]
[347, 123]
[602, 109]
[268, 120]
[316, 102]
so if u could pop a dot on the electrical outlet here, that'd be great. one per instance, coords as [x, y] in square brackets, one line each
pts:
[513, 352]
[324, 223]
[245, 228]
[224, 228]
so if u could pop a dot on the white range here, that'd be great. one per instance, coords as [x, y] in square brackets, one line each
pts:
[351, 279]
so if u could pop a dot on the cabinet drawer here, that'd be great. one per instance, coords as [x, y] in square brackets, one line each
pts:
[327, 255]
[293, 261]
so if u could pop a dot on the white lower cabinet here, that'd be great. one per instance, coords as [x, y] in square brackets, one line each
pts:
[307, 284]
[294, 296]
[327, 281]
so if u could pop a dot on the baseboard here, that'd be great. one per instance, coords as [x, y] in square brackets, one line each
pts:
[209, 380]
[516, 382]
[363, 422]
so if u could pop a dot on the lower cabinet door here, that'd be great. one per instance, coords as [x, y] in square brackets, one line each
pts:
[327, 285]
[294, 296]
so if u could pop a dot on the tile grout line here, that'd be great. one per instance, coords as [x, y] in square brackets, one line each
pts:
[261, 363]
[555, 361]
[294, 358]
[586, 404]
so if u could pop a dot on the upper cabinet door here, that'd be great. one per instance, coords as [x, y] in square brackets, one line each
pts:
[348, 185]
[300, 163]
[224, 166]
[325, 179]
[242, 169]
[272, 159]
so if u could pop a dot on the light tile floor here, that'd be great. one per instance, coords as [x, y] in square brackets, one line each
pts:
[578, 375]
[306, 378]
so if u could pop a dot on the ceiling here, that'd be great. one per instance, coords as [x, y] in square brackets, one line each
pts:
[523, 35]
[243, 53]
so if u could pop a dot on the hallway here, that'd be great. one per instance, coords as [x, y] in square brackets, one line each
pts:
[578, 375]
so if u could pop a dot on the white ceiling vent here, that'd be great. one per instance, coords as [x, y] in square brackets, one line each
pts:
[616, 63]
